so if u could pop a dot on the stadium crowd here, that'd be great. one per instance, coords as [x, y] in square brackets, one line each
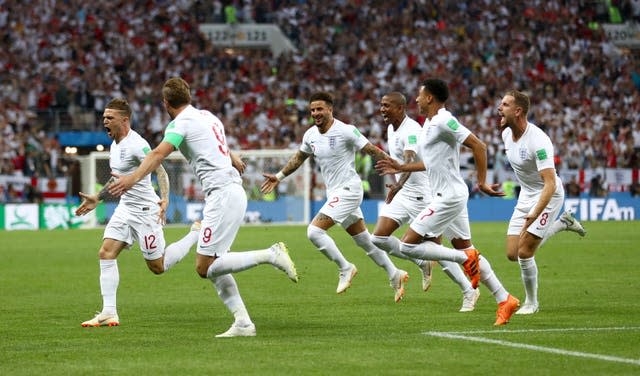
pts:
[60, 61]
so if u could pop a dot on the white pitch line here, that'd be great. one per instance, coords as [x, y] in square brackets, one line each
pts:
[535, 348]
[545, 330]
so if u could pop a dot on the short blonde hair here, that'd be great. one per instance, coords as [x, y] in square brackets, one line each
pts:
[521, 100]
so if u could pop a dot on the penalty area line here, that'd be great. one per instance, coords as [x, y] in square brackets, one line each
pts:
[551, 350]
[602, 329]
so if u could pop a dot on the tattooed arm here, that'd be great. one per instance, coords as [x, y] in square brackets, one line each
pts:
[375, 152]
[271, 181]
[89, 202]
[163, 183]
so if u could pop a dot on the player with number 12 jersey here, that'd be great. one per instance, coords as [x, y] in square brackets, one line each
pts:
[199, 135]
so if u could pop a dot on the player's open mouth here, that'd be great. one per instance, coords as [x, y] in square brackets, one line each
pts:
[108, 131]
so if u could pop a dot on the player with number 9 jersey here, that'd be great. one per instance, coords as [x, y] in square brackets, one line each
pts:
[199, 135]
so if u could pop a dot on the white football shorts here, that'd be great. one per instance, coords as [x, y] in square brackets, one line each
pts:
[443, 216]
[526, 204]
[343, 205]
[222, 216]
[128, 226]
[404, 207]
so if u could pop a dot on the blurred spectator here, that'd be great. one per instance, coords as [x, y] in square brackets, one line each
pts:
[60, 62]
[190, 191]
[597, 188]
[230, 13]
[634, 189]
[13, 196]
[572, 188]
[32, 193]
[470, 181]
[318, 192]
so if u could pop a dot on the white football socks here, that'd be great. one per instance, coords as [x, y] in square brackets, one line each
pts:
[391, 245]
[327, 246]
[109, 280]
[491, 281]
[529, 273]
[432, 251]
[178, 250]
[454, 271]
[380, 257]
[233, 262]
[227, 290]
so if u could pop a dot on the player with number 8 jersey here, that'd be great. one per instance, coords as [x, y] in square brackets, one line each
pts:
[200, 137]
[535, 217]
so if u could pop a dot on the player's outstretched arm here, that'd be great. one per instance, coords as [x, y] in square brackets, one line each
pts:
[479, 150]
[149, 164]
[390, 166]
[271, 181]
[89, 202]
[375, 152]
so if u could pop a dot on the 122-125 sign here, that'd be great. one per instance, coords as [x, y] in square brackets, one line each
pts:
[248, 35]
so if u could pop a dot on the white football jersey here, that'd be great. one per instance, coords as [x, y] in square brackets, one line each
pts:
[406, 139]
[439, 148]
[124, 158]
[335, 152]
[532, 153]
[199, 135]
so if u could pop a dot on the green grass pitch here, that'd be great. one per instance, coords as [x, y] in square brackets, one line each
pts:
[588, 324]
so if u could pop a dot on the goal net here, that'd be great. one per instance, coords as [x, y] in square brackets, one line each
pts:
[289, 205]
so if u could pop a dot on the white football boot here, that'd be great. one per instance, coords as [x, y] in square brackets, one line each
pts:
[102, 319]
[239, 331]
[345, 277]
[283, 262]
[397, 282]
[469, 300]
[572, 223]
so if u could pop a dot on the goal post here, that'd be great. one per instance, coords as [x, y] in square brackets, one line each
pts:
[292, 201]
[289, 205]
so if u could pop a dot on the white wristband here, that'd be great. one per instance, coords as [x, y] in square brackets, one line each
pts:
[280, 175]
